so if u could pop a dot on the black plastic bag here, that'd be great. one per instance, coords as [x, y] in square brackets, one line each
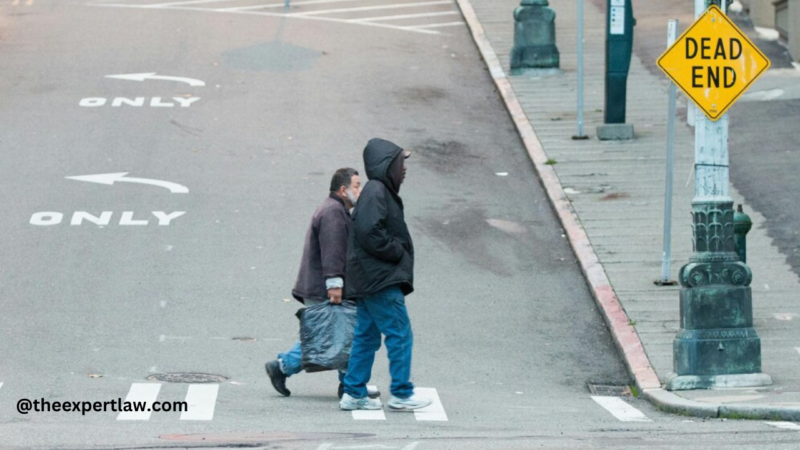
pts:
[326, 334]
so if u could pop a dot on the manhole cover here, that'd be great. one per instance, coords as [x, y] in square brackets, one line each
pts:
[608, 390]
[194, 378]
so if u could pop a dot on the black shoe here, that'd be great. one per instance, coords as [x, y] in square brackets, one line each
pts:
[370, 393]
[277, 377]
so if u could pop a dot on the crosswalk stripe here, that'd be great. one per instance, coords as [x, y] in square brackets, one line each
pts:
[784, 425]
[439, 25]
[377, 414]
[798, 349]
[407, 16]
[1, 385]
[141, 392]
[620, 409]
[372, 8]
[433, 413]
[283, 5]
[184, 3]
[201, 400]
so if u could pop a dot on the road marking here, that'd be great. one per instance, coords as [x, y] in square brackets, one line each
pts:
[153, 76]
[201, 399]
[784, 425]
[798, 349]
[434, 412]
[270, 14]
[620, 409]
[141, 392]
[452, 24]
[191, 2]
[377, 414]
[136, 102]
[111, 178]
[281, 5]
[407, 16]
[371, 8]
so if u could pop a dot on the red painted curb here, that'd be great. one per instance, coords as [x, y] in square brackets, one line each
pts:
[624, 335]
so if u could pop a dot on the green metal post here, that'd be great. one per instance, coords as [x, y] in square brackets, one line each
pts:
[716, 345]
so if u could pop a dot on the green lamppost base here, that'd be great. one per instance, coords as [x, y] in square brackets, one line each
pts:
[677, 382]
[716, 345]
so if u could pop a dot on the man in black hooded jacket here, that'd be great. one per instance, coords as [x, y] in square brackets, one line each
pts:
[380, 273]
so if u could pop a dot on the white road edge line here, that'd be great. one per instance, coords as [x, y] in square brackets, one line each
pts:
[784, 425]
[377, 414]
[372, 8]
[201, 400]
[405, 16]
[141, 392]
[433, 413]
[620, 409]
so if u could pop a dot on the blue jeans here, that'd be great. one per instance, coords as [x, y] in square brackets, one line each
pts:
[382, 313]
[291, 360]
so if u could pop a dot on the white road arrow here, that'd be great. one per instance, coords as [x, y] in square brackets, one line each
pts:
[111, 178]
[153, 76]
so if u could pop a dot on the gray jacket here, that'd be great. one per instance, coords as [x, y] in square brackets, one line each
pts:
[325, 250]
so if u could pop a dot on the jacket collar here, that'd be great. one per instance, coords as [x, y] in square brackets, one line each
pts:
[338, 199]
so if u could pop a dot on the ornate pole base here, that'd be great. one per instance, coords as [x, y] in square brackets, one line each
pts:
[717, 345]
[534, 39]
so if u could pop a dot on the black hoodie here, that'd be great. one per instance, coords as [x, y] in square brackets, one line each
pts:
[380, 252]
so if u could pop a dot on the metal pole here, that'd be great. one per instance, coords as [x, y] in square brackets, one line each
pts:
[672, 34]
[580, 134]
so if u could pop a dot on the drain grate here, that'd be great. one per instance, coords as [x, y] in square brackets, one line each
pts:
[608, 390]
[190, 377]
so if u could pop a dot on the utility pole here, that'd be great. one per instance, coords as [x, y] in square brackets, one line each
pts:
[716, 345]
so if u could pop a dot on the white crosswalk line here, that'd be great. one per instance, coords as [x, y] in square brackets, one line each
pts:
[407, 16]
[620, 409]
[377, 414]
[185, 3]
[141, 392]
[433, 413]
[283, 5]
[372, 8]
[439, 25]
[201, 399]
[784, 425]
[798, 349]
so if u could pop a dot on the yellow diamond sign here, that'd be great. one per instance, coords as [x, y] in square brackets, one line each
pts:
[713, 62]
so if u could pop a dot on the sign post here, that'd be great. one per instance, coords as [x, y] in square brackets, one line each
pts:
[714, 63]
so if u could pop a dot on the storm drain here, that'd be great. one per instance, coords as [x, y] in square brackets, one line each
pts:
[190, 377]
[608, 390]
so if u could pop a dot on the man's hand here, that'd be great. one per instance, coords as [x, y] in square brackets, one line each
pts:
[335, 295]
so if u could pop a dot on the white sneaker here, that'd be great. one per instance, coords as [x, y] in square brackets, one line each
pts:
[408, 404]
[349, 403]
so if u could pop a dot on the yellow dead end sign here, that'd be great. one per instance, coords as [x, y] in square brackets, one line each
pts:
[713, 62]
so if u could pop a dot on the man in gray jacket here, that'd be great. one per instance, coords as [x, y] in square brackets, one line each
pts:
[322, 267]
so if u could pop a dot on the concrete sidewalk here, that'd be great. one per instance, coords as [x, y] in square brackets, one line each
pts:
[614, 193]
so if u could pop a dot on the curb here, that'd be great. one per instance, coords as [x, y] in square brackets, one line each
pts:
[624, 335]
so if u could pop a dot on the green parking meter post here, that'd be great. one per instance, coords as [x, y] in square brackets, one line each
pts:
[619, 49]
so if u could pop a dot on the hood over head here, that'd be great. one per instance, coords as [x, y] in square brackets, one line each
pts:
[379, 156]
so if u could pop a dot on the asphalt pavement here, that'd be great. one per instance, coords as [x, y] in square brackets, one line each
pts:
[185, 263]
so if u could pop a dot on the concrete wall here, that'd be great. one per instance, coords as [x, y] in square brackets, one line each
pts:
[762, 12]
